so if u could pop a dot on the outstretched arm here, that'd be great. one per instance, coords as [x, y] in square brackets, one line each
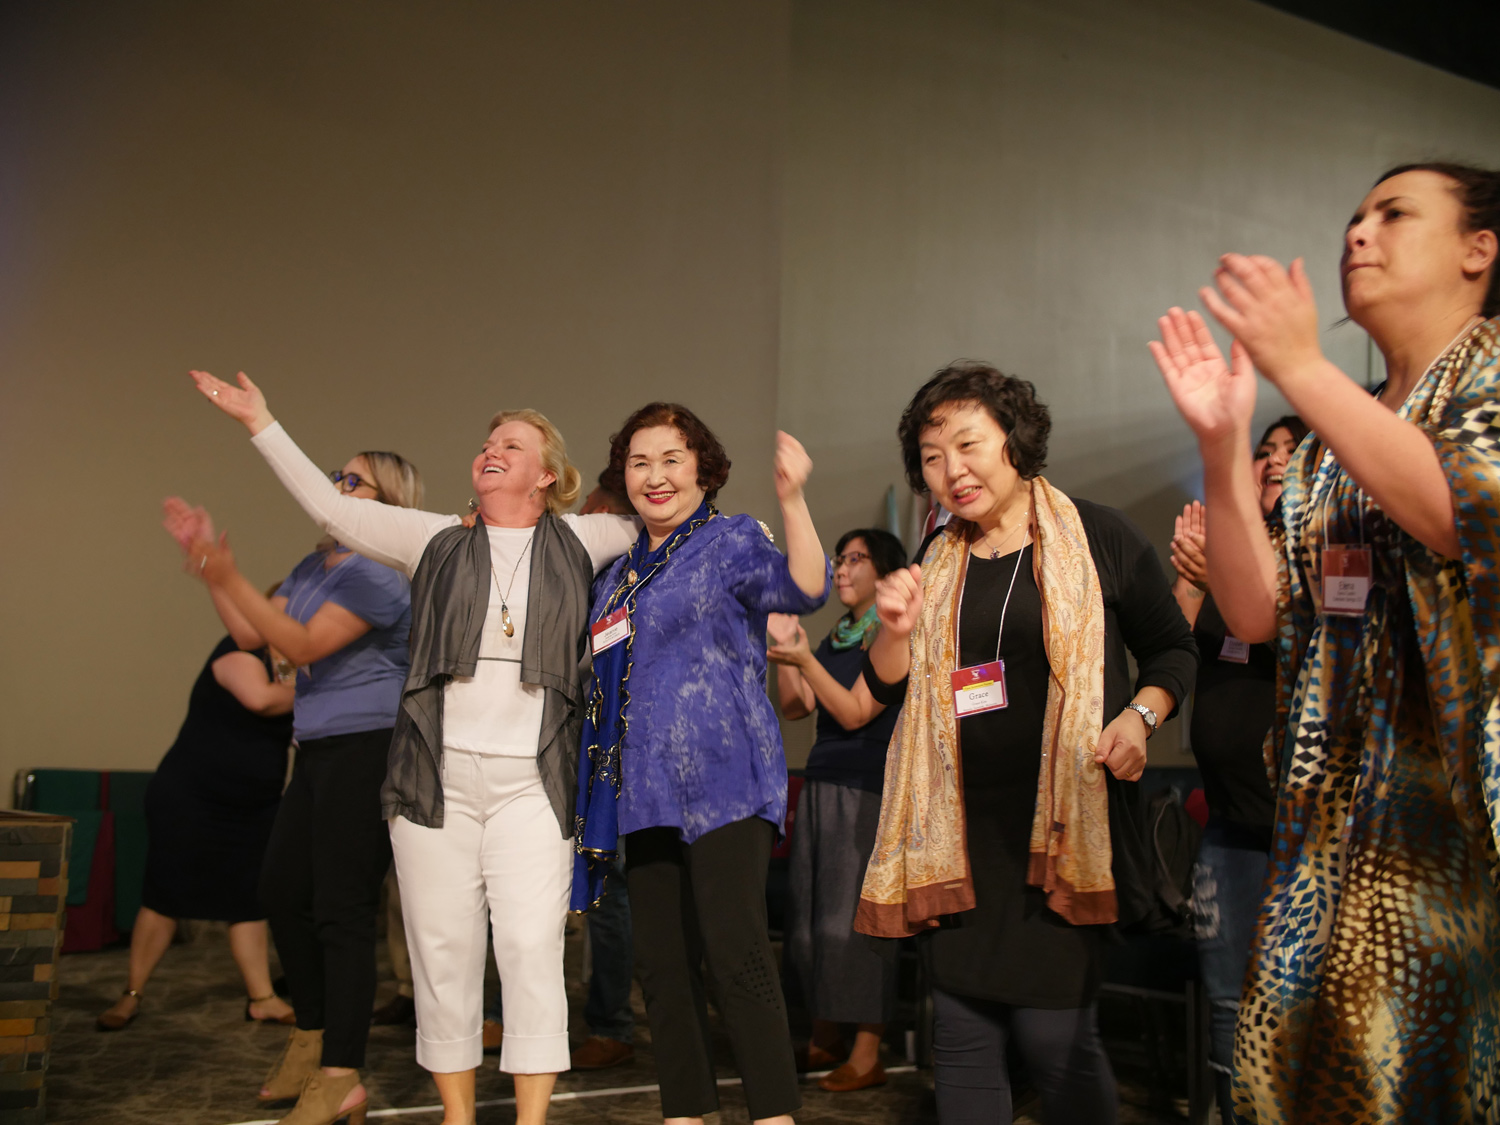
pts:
[386, 533]
[1218, 402]
[1272, 312]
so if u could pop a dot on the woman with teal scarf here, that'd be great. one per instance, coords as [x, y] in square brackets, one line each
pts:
[841, 979]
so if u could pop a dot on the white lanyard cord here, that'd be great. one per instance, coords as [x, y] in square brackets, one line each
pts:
[958, 632]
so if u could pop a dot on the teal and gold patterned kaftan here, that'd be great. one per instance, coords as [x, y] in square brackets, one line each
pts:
[1374, 988]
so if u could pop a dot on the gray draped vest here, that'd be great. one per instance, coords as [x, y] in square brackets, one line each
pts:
[449, 600]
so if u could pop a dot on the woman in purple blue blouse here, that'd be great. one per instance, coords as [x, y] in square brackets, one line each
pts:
[682, 754]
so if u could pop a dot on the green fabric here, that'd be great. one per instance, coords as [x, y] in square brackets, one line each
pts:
[64, 791]
[127, 800]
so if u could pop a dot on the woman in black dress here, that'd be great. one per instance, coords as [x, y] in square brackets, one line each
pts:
[1004, 836]
[209, 810]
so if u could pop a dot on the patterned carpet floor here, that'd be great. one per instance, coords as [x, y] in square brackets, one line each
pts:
[191, 1059]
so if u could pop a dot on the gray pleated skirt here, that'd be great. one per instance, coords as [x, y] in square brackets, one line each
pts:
[835, 973]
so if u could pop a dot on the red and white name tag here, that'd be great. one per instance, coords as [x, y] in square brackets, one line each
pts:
[1235, 651]
[979, 688]
[1346, 580]
[610, 630]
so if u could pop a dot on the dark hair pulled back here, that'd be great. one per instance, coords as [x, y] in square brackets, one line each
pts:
[1478, 191]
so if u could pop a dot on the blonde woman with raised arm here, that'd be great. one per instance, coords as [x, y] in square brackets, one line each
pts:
[483, 763]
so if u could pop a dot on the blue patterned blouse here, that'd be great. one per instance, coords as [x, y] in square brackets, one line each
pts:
[703, 748]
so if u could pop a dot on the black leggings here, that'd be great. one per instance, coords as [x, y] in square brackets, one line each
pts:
[708, 898]
[1063, 1054]
[320, 885]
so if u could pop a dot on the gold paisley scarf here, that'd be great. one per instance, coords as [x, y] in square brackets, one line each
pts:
[919, 869]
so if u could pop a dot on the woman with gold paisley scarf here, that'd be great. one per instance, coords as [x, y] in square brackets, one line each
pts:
[1006, 818]
[1373, 993]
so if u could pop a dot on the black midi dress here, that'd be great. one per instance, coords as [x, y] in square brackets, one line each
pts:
[211, 803]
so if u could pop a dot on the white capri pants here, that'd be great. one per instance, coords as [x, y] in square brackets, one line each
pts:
[500, 848]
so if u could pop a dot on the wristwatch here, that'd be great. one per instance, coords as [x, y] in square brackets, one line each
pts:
[1146, 713]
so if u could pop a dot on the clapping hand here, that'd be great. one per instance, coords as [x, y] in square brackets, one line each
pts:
[244, 402]
[1190, 545]
[210, 559]
[1216, 399]
[791, 645]
[185, 523]
[1269, 309]
[793, 467]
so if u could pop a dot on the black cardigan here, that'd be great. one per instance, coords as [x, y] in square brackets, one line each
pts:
[1141, 618]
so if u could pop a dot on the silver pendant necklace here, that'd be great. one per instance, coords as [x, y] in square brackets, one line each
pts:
[995, 551]
[505, 621]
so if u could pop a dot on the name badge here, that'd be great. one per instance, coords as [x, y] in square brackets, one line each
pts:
[610, 630]
[1346, 580]
[1235, 651]
[979, 688]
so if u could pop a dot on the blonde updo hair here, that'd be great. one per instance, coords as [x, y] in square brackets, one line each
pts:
[563, 492]
[395, 478]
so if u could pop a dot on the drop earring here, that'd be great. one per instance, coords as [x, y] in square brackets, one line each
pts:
[473, 504]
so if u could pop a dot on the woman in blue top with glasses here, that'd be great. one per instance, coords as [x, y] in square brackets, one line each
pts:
[343, 620]
[682, 753]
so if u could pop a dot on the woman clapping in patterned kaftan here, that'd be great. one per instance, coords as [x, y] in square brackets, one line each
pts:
[1374, 988]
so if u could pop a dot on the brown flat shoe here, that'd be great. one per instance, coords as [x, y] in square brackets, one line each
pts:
[111, 1020]
[598, 1053]
[287, 1020]
[845, 1079]
[812, 1057]
[493, 1036]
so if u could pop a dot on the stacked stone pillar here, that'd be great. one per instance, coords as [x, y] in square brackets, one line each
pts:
[33, 892]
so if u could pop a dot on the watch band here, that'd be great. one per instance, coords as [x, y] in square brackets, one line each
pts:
[1145, 713]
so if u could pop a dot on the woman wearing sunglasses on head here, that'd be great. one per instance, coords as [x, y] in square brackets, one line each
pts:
[483, 764]
[343, 621]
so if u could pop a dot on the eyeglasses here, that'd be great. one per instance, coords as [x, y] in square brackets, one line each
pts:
[849, 558]
[348, 482]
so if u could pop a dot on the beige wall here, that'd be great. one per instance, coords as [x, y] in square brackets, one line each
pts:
[1033, 182]
[398, 218]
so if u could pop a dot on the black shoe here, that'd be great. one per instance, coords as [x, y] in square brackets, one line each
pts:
[398, 1010]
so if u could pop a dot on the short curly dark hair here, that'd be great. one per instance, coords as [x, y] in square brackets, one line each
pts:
[713, 462]
[1011, 402]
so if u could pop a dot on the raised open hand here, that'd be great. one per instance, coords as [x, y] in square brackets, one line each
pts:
[244, 402]
[1269, 309]
[793, 466]
[184, 522]
[1216, 399]
[898, 600]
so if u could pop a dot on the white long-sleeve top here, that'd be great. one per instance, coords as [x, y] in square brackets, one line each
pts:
[491, 712]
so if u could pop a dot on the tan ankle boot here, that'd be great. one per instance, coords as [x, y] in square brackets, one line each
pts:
[301, 1056]
[321, 1097]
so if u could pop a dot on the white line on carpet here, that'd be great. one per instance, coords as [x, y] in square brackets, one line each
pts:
[565, 1096]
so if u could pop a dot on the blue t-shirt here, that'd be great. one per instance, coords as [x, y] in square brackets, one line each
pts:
[359, 686]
